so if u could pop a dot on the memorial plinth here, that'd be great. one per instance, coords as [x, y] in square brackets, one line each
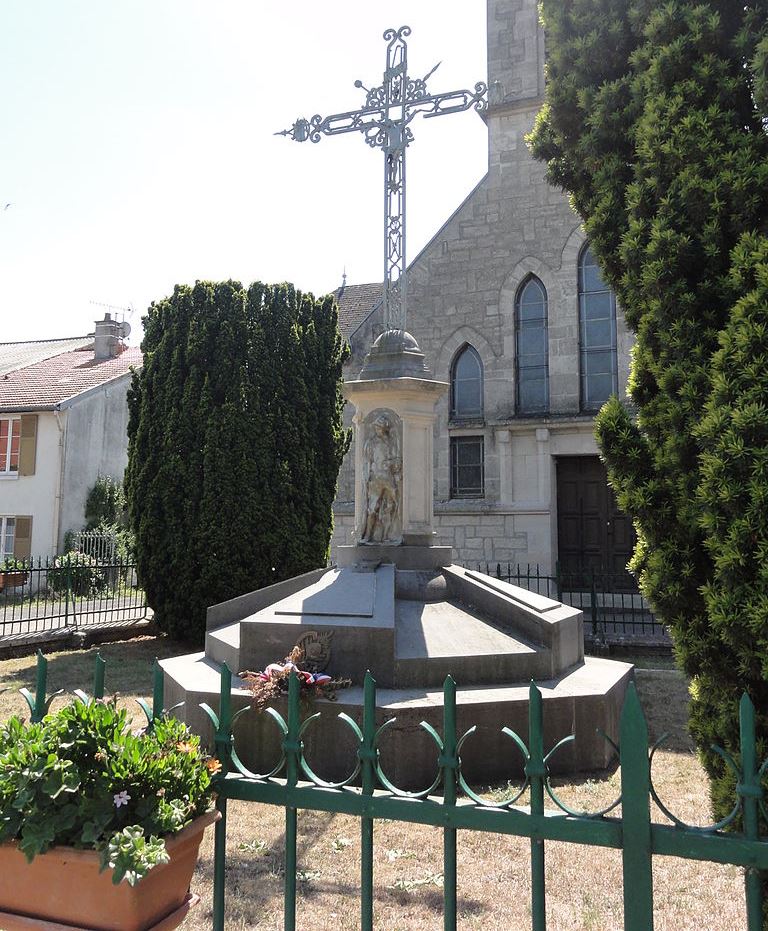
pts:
[396, 605]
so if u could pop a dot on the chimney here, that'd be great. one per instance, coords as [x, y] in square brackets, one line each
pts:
[106, 343]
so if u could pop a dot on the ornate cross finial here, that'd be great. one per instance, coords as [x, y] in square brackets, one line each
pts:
[384, 120]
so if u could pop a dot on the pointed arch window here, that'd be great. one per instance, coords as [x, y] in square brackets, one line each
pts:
[467, 385]
[531, 348]
[598, 358]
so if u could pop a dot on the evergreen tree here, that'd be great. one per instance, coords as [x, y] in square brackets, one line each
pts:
[655, 123]
[235, 443]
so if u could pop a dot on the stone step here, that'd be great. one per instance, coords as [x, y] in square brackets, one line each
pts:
[223, 645]
[435, 639]
[588, 697]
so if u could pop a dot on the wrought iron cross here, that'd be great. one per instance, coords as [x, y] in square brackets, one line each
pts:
[385, 120]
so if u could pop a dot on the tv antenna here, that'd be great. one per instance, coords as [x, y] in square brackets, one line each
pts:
[129, 310]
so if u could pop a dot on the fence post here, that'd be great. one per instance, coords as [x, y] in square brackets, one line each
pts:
[750, 790]
[558, 582]
[66, 588]
[98, 677]
[41, 684]
[535, 770]
[71, 587]
[292, 750]
[449, 764]
[636, 816]
[223, 744]
[597, 628]
[39, 703]
[367, 756]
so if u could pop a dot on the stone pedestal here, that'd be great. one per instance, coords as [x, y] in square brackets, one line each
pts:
[395, 386]
[397, 607]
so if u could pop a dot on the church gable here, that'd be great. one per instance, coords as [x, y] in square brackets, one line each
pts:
[496, 473]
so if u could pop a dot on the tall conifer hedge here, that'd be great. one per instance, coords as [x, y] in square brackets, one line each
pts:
[235, 443]
[655, 122]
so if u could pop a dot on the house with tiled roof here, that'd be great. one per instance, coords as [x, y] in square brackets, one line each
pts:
[63, 423]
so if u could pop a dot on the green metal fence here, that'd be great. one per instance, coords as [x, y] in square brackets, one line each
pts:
[292, 784]
[368, 794]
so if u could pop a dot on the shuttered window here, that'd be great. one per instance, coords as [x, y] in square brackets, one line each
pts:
[15, 537]
[28, 444]
[7, 536]
[10, 444]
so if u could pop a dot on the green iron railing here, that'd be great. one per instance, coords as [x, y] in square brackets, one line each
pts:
[368, 794]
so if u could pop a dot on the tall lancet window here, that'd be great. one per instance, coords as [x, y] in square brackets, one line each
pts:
[531, 350]
[467, 385]
[597, 335]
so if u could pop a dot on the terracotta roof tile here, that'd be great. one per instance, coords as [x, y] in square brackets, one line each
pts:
[356, 301]
[44, 384]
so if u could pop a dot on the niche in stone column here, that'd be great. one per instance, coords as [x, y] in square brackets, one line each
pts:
[382, 478]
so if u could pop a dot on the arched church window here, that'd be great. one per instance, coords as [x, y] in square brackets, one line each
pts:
[598, 362]
[467, 384]
[531, 350]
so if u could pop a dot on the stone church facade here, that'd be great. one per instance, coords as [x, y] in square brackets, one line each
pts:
[510, 309]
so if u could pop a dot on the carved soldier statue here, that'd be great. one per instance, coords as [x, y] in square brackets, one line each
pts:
[382, 479]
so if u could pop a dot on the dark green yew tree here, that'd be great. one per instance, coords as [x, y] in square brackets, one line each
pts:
[235, 443]
[655, 124]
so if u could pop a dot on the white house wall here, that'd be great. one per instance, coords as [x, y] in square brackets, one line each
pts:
[96, 444]
[36, 495]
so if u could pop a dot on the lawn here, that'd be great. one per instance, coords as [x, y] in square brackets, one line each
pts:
[584, 884]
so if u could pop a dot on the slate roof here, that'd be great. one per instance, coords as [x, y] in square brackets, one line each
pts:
[17, 355]
[356, 301]
[52, 381]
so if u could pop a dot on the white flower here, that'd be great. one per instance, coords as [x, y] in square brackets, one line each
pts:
[122, 798]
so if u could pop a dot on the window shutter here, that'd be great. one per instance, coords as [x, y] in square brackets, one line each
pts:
[28, 445]
[22, 543]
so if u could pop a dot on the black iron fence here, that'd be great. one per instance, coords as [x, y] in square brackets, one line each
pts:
[68, 592]
[614, 610]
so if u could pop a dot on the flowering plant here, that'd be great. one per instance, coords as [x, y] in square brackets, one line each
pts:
[273, 681]
[82, 778]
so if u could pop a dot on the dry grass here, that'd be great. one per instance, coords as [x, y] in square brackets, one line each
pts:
[128, 672]
[584, 884]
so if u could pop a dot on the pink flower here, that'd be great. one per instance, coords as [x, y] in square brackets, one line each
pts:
[122, 798]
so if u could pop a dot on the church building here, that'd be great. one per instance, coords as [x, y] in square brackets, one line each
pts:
[509, 307]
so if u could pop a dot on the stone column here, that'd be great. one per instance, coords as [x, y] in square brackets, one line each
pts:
[394, 398]
[504, 447]
[544, 467]
[357, 426]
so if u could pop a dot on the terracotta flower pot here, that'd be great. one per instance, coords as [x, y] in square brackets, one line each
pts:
[12, 579]
[64, 886]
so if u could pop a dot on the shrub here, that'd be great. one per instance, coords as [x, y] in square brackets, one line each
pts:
[76, 572]
[81, 778]
[235, 443]
[655, 123]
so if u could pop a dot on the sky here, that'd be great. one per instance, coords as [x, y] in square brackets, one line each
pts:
[137, 147]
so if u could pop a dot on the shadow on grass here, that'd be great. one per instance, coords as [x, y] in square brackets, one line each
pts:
[128, 672]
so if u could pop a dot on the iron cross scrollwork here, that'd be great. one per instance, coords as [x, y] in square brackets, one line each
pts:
[384, 120]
